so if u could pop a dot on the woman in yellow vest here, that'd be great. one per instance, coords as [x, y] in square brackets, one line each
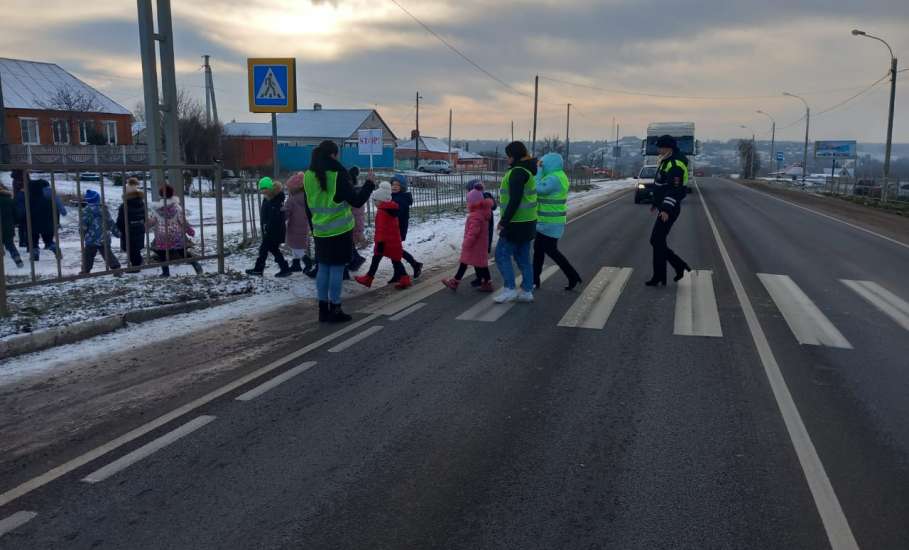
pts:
[329, 199]
[518, 225]
[552, 194]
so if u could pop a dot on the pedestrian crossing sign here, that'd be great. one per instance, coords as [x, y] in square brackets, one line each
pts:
[272, 85]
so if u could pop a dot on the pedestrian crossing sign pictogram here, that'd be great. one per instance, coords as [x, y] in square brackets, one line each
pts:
[272, 85]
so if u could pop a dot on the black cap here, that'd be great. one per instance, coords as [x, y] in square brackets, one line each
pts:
[354, 171]
[666, 141]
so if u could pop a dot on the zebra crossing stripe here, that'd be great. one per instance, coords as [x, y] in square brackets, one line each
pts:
[809, 325]
[696, 312]
[594, 306]
[887, 302]
[488, 311]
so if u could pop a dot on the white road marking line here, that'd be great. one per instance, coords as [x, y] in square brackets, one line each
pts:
[829, 217]
[399, 302]
[147, 450]
[696, 312]
[807, 322]
[887, 302]
[358, 338]
[15, 521]
[488, 311]
[594, 306]
[828, 506]
[94, 454]
[412, 309]
[275, 382]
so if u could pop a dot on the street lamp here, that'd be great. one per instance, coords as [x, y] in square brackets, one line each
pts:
[751, 154]
[807, 125]
[772, 137]
[893, 71]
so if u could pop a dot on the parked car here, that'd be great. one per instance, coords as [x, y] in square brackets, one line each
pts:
[90, 176]
[867, 188]
[435, 167]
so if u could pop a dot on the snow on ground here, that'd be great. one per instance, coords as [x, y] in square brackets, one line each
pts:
[432, 240]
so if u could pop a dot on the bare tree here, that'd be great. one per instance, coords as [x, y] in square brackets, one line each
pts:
[751, 162]
[552, 144]
[73, 103]
[139, 111]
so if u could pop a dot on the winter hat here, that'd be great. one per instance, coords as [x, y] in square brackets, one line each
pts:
[383, 193]
[354, 172]
[295, 182]
[401, 180]
[474, 197]
[266, 183]
[131, 189]
[666, 141]
[166, 191]
[92, 197]
[474, 184]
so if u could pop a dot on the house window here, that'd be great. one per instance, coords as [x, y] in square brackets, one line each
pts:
[85, 128]
[61, 132]
[29, 127]
[110, 131]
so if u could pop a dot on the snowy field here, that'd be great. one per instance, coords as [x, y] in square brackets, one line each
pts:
[435, 241]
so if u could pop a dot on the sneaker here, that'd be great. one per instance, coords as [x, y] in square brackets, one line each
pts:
[451, 283]
[507, 295]
[525, 297]
[364, 280]
[486, 287]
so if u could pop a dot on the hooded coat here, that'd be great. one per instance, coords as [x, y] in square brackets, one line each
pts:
[8, 215]
[96, 223]
[170, 226]
[475, 247]
[134, 217]
[388, 232]
[42, 210]
[272, 218]
[549, 185]
[298, 230]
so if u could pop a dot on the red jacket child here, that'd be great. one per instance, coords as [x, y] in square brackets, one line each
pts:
[388, 240]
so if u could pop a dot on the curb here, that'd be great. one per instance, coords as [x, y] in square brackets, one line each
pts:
[60, 336]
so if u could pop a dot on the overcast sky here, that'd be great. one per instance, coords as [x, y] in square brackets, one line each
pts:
[732, 56]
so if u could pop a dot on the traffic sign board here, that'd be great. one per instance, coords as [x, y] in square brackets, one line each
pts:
[272, 85]
[780, 157]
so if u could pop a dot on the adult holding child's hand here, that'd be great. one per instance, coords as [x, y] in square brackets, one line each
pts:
[330, 197]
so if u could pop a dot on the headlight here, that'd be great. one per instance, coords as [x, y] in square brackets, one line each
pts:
[641, 186]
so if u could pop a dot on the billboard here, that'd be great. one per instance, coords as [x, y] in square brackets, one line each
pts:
[834, 149]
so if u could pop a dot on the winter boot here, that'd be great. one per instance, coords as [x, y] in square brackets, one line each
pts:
[337, 315]
[285, 272]
[307, 264]
[417, 270]
[324, 312]
[365, 280]
[346, 276]
[405, 282]
[486, 286]
[18, 261]
[312, 272]
[476, 283]
[255, 272]
[356, 262]
[295, 266]
[451, 283]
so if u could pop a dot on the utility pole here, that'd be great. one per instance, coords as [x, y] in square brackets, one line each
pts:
[148, 48]
[772, 138]
[450, 115]
[893, 71]
[416, 141]
[567, 137]
[275, 165]
[512, 130]
[536, 97]
[205, 69]
[807, 125]
[616, 149]
[165, 38]
[211, 105]
[3, 148]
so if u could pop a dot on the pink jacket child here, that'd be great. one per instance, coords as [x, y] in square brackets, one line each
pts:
[169, 223]
[475, 247]
[298, 230]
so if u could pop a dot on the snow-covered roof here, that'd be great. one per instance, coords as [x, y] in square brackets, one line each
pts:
[323, 123]
[467, 155]
[137, 127]
[32, 85]
[429, 144]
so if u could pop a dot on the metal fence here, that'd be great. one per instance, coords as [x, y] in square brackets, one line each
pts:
[78, 154]
[57, 190]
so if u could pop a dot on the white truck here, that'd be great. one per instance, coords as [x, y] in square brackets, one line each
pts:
[683, 132]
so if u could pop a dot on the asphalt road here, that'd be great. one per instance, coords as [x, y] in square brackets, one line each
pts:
[515, 432]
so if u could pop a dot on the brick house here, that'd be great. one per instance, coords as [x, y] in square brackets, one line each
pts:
[46, 105]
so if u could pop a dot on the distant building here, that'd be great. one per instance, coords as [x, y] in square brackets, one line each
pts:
[46, 105]
[436, 149]
[248, 144]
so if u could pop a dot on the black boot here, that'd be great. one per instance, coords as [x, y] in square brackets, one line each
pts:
[254, 271]
[575, 281]
[295, 266]
[337, 315]
[417, 269]
[324, 312]
[312, 272]
[680, 273]
[307, 264]
[285, 272]
[655, 282]
[346, 274]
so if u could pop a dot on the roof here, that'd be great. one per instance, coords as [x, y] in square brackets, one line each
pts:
[429, 144]
[32, 85]
[467, 155]
[675, 129]
[137, 127]
[323, 123]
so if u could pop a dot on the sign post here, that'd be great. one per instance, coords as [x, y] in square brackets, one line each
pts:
[842, 149]
[272, 89]
[370, 143]
[779, 161]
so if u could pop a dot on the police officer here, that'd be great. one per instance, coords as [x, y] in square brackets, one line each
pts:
[671, 179]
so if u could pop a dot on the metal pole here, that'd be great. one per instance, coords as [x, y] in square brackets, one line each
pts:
[219, 216]
[450, 115]
[3, 149]
[753, 152]
[893, 71]
[207, 96]
[150, 87]
[512, 130]
[805, 155]
[536, 97]
[773, 142]
[568, 138]
[4, 308]
[165, 38]
[274, 145]
[416, 141]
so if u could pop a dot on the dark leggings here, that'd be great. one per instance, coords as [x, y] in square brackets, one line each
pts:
[377, 258]
[482, 273]
[547, 246]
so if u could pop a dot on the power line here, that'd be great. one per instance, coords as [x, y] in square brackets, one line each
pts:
[646, 94]
[458, 52]
[840, 104]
